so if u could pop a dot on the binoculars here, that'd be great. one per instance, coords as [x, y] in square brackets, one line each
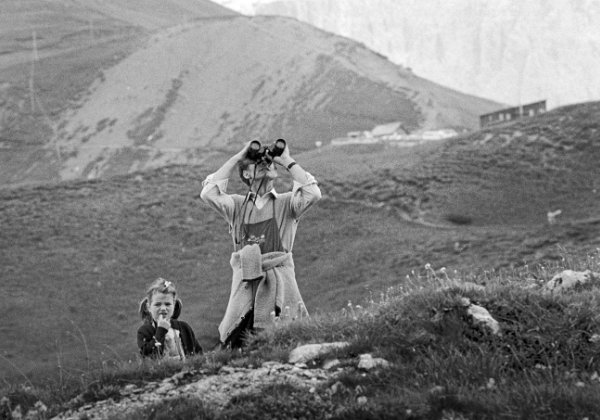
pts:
[258, 153]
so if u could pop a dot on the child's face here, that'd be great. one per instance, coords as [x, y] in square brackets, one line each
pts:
[162, 305]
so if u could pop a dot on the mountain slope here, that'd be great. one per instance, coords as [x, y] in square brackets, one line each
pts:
[34, 29]
[154, 14]
[248, 78]
[508, 50]
[135, 102]
[50, 54]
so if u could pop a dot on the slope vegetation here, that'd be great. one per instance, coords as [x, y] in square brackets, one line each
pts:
[508, 174]
[51, 53]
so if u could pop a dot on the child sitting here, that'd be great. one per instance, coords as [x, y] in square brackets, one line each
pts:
[162, 334]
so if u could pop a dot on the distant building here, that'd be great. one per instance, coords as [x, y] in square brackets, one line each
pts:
[340, 141]
[511, 114]
[444, 133]
[379, 133]
[384, 131]
[419, 137]
[532, 109]
[393, 134]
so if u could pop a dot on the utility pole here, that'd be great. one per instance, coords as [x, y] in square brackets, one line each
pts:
[34, 57]
[33, 99]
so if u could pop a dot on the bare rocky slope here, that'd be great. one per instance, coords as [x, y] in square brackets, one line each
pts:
[145, 97]
[507, 50]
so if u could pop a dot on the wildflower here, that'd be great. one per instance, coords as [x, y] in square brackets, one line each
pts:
[17, 413]
[302, 311]
[351, 310]
[444, 273]
[595, 338]
[437, 389]
[40, 407]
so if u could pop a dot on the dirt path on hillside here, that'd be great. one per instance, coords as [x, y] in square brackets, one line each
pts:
[215, 391]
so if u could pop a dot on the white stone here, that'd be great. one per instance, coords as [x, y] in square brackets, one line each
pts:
[568, 279]
[368, 362]
[331, 364]
[308, 352]
[481, 316]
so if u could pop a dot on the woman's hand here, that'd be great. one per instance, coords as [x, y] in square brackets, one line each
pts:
[242, 153]
[285, 159]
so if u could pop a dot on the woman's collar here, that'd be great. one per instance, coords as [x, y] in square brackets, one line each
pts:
[271, 191]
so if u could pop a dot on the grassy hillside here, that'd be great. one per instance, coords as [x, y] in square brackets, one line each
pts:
[76, 256]
[509, 174]
[431, 360]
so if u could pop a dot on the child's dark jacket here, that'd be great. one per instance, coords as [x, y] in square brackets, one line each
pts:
[149, 335]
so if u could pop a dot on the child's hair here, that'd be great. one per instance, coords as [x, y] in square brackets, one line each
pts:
[159, 285]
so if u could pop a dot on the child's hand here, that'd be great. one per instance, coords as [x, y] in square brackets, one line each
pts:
[163, 322]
